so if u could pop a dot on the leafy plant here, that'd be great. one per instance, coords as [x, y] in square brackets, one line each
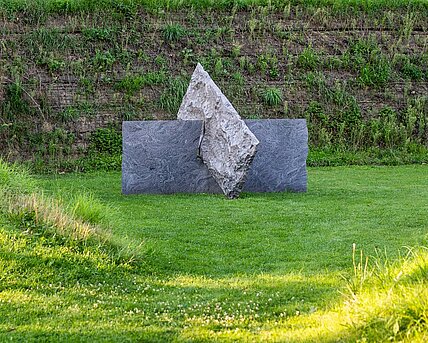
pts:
[272, 96]
[52, 63]
[106, 140]
[268, 64]
[238, 78]
[375, 74]
[173, 32]
[98, 34]
[103, 60]
[412, 71]
[308, 59]
[69, 114]
[236, 50]
[219, 68]
[187, 55]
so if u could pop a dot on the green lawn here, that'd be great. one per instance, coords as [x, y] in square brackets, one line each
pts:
[269, 233]
[262, 267]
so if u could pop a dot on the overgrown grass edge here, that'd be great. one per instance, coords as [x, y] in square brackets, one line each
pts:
[71, 6]
[79, 221]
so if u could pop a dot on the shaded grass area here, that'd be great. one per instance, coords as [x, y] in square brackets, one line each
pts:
[343, 206]
[263, 268]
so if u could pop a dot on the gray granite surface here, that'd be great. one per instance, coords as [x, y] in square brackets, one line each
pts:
[161, 157]
[280, 162]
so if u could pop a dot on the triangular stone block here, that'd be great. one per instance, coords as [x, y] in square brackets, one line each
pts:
[227, 145]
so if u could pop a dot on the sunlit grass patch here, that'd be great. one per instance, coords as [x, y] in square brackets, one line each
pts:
[394, 305]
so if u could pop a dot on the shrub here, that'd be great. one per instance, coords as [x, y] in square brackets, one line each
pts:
[106, 140]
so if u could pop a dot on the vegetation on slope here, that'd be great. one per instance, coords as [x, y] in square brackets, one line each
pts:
[68, 78]
[41, 221]
[55, 6]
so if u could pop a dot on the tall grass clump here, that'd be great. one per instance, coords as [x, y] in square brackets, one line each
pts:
[172, 96]
[89, 209]
[272, 96]
[15, 178]
[390, 302]
[173, 32]
[80, 222]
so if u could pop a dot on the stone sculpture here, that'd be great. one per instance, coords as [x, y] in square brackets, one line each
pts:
[210, 149]
[161, 157]
[227, 146]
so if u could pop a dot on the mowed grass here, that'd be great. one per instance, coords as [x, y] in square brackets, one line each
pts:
[374, 207]
[264, 267]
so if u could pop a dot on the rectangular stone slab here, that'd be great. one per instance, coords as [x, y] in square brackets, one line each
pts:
[280, 161]
[161, 157]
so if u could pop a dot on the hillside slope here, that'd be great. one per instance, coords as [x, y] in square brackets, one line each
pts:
[359, 75]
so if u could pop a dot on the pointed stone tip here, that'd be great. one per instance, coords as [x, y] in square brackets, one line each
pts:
[199, 69]
[200, 72]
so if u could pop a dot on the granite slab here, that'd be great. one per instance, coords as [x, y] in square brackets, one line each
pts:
[280, 162]
[162, 157]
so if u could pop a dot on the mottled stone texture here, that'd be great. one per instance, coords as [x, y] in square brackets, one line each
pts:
[280, 162]
[161, 157]
[227, 146]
